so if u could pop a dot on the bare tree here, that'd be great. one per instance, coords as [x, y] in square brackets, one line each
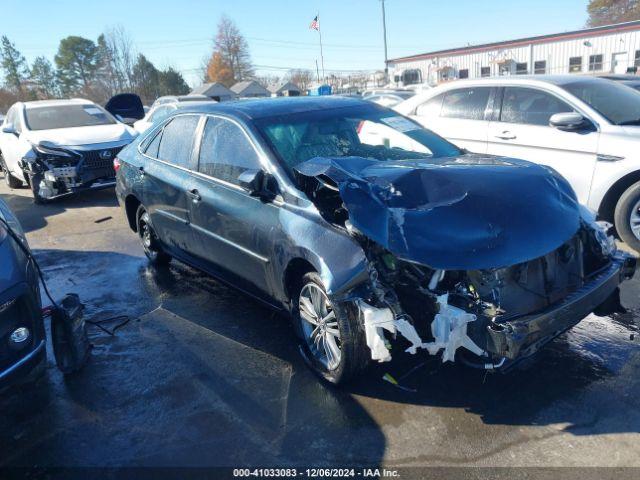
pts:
[117, 59]
[606, 12]
[231, 52]
[302, 78]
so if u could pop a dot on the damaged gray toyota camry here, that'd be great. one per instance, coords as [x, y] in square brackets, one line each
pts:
[376, 235]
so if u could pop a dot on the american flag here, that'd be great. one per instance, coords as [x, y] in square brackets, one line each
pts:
[315, 25]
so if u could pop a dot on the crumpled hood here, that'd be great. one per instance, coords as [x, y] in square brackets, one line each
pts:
[466, 213]
[94, 134]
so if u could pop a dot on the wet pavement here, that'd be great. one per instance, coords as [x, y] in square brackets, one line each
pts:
[205, 376]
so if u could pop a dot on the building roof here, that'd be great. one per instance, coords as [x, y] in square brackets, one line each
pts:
[588, 32]
[283, 87]
[240, 87]
[267, 107]
[212, 89]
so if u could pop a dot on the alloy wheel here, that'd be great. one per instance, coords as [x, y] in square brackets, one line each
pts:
[320, 326]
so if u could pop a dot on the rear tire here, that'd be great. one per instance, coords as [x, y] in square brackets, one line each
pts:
[11, 181]
[149, 240]
[323, 328]
[627, 216]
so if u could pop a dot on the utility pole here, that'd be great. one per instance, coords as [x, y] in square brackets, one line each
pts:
[384, 33]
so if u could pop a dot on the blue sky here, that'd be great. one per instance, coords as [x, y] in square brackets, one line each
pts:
[179, 33]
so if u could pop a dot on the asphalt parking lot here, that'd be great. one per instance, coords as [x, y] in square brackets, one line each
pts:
[204, 376]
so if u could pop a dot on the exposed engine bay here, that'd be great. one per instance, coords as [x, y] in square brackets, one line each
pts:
[465, 261]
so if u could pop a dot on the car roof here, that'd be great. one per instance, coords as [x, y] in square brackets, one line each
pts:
[530, 79]
[57, 103]
[268, 107]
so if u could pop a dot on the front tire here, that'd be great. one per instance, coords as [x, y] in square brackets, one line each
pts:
[149, 240]
[11, 181]
[627, 216]
[333, 344]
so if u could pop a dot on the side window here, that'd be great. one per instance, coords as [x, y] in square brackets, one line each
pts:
[431, 108]
[225, 151]
[529, 106]
[176, 143]
[153, 145]
[467, 103]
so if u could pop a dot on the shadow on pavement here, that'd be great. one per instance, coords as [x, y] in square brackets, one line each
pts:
[214, 378]
[34, 217]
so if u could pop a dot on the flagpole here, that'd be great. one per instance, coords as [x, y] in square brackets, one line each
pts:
[321, 55]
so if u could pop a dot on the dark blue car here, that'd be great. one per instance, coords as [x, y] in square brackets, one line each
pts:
[22, 333]
[372, 232]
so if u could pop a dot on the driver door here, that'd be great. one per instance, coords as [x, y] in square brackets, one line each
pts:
[522, 131]
[234, 231]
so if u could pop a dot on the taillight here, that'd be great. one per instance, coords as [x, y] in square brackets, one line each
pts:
[116, 164]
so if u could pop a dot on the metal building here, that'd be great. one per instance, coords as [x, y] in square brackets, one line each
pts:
[611, 48]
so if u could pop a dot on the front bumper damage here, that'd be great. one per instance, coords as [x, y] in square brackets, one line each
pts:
[61, 176]
[494, 347]
[477, 259]
[524, 336]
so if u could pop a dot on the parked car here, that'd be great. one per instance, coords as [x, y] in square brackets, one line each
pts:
[196, 97]
[22, 333]
[481, 258]
[58, 147]
[586, 128]
[160, 112]
[629, 80]
[390, 99]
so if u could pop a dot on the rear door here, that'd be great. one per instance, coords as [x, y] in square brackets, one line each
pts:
[521, 130]
[170, 157]
[460, 115]
[234, 231]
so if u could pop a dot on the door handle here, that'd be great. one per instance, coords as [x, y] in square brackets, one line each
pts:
[194, 195]
[506, 135]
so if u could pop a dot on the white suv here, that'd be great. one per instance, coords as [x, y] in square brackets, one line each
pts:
[586, 128]
[58, 147]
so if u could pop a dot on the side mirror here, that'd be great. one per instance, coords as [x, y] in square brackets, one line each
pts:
[257, 183]
[9, 129]
[568, 122]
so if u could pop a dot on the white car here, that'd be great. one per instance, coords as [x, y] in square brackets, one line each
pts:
[154, 114]
[586, 128]
[389, 99]
[163, 106]
[59, 147]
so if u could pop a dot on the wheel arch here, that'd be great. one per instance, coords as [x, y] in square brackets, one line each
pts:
[293, 273]
[607, 206]
[131, 205]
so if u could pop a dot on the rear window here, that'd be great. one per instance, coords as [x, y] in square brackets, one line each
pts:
[466, 103]
[66, 116]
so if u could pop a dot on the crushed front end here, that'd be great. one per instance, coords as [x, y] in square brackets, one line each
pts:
[476, 259]
[58, 171]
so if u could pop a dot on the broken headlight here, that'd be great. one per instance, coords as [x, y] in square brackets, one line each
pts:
[55, 156]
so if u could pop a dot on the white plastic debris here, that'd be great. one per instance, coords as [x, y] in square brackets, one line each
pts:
[376, 320]
[449, 329]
